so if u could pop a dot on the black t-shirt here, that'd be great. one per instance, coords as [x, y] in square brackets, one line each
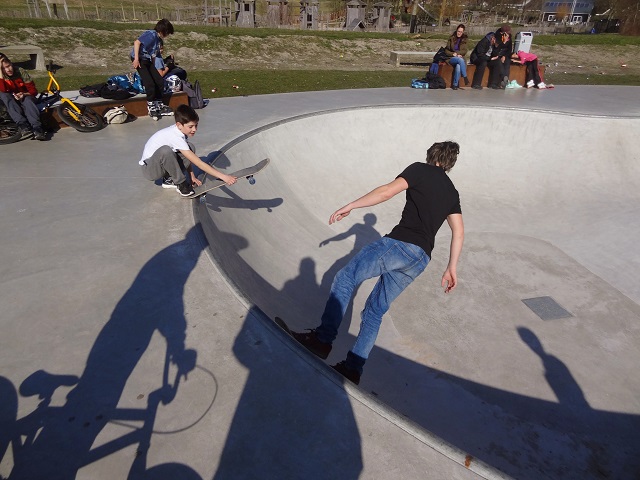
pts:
[431, 198]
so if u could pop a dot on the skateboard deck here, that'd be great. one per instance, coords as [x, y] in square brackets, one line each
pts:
[247, 173]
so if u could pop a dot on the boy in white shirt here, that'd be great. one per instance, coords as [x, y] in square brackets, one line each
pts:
[168, 155]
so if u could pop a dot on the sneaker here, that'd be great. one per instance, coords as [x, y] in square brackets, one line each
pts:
[504, 82]
[153, 110]
[542, 86]
[341, 368]
[25, 132]
[185, 189]
[476, 87]
[466, 81]
[454, 87]
[167, 182]
[530, 84]
[310, 341]
[39, 134]
[164, 110]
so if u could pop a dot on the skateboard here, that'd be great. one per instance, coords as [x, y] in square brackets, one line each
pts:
[247, 173]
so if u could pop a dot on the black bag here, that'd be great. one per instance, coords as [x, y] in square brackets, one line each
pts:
[435, 81]
[194, 92]
[92, 91]
[111, 91]
[440, 56]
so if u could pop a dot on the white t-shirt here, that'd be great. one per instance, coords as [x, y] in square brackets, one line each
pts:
[169, 136]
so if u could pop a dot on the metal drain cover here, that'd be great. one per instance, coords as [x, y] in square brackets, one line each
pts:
[546, 308]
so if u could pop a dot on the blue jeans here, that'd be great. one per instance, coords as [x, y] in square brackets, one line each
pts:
[396, 263]
[459, 69]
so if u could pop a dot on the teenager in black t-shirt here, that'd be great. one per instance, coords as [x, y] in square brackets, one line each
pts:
[397, 258]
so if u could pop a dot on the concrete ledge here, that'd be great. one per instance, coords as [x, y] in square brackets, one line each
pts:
[136, 106]
[517, 72]
[35, 52]
[398, 57]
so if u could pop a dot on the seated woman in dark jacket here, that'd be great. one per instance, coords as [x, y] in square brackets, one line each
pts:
[500, 63]
[456, 49]
[480, 57]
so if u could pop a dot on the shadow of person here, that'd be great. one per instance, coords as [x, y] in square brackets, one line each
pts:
[290, 421]
[556, 373]
[153, 303]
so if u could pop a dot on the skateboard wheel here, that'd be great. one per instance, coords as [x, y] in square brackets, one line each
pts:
[252, 180]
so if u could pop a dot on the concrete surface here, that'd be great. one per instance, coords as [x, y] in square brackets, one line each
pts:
[109, 294]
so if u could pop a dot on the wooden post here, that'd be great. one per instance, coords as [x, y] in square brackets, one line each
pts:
[84, 16]
[66, 10]
[157, 12]
[124, 19]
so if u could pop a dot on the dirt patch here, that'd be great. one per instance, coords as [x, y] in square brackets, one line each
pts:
[103, 52]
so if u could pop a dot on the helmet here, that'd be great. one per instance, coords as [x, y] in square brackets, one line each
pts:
[173, 83]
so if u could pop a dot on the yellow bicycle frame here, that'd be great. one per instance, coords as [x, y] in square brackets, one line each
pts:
[74, 111]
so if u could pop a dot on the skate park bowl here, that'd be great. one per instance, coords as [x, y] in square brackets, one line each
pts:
[530, 365]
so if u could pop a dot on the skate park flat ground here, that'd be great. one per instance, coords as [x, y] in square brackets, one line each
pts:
[114, 287]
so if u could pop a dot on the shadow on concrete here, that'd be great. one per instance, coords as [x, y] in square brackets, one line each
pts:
[42, 440]
[525, 437]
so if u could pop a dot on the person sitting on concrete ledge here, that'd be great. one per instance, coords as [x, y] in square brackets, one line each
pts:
[18, 93]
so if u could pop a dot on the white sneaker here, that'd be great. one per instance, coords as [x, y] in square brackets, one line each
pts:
[541, 86]
[530, 84]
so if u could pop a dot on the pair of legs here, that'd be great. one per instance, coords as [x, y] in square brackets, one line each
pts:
[481, 65]
[165, 161]
[153, 87]
[498, 71]
[397, 264]
[533, 74]
[459, 70]
[24, 112]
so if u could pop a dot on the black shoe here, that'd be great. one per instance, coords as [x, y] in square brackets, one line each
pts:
[494, 87]
[466, 81]
[167, 182]
[454, 87]
[476, 87]
[185, 189]
[310, 341]
[504, 82]
[39, 134]
[341, 368]
[25, 132]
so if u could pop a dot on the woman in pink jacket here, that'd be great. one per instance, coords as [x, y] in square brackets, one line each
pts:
[531, 62]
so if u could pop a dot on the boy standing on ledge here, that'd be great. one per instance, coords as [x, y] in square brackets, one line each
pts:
[168, 154]
[397, 258]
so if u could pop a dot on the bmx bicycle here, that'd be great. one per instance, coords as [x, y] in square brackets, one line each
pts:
[76, 115]
[9, 131]
[20, 436]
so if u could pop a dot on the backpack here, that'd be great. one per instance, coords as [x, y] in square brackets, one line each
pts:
[435, 81]
[111, 91]
[91, 91]
[194, 92]
[116, 115]
[419, 83]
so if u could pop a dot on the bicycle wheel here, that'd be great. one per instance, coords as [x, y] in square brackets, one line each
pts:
[9, 132]
[87, 121]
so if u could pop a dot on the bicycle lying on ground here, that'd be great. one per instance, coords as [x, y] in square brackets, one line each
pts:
[9, 131]
[81, 117]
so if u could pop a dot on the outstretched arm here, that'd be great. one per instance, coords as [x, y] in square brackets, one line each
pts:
[205, 167]
[450, 276]
[374, 197]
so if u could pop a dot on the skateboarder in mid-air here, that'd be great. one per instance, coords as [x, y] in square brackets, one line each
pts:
[397, 258]
[168, 154]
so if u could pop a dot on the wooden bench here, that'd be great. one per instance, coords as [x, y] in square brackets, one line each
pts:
[517, 72]
[35, 52]
[136, 106]
[422, 58]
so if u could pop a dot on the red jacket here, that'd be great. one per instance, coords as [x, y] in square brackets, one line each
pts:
[20, 81]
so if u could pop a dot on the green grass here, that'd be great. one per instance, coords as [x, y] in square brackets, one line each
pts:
[260, 82]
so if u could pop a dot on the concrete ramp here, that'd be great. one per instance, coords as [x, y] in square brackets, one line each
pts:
[550, 202]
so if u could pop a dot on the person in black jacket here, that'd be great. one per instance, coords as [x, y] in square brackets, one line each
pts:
[500, 62]
[480, 57]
